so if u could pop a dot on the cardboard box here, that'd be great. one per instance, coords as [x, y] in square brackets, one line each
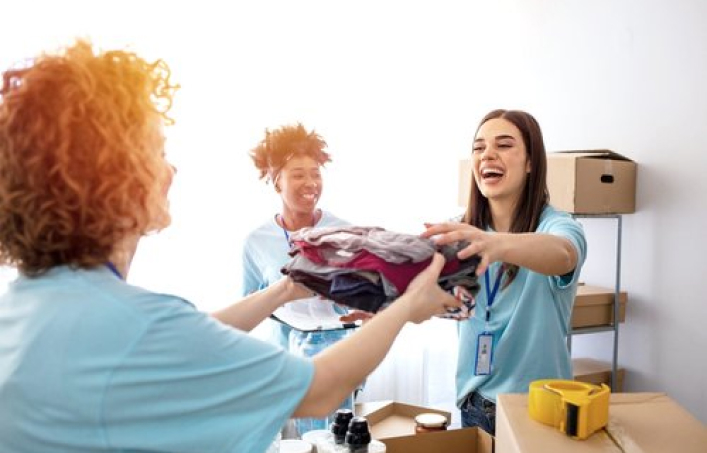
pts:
[394, 424]
[591, 182]
[466, 440]
[596, 372]
[594, 307]
[638, 422]
[390, 419]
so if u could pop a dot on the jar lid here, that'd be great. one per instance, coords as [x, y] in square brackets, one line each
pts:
[431, 420]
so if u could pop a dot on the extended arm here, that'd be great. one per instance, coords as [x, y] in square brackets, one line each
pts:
[254, 308]
[546, 254]
[342, 367]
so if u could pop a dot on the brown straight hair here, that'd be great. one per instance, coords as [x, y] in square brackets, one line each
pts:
[535, 195]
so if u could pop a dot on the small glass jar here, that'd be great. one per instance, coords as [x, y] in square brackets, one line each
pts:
[429, 422]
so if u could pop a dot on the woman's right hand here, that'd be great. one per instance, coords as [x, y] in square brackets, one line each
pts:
[488, 246]
[424, 297]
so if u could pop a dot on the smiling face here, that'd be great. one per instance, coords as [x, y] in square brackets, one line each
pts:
[500, 159]
[300, 184]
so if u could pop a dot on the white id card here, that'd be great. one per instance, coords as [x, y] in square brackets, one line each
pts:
[484, 354]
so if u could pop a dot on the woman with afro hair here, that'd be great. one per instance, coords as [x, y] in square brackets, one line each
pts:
[290, 158]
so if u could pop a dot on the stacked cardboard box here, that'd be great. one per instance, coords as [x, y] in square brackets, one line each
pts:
[596, 372]
[591, 182]
[594, 306]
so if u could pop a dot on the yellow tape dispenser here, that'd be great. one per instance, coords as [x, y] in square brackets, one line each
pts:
[578, 409]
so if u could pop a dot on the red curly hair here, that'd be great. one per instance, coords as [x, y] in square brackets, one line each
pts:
[81, 156]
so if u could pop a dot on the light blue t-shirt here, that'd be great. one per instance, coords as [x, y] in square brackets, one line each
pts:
[89, 363]
[529, 320]
[265, 252]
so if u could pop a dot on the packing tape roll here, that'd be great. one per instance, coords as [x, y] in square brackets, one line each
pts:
[578, 409]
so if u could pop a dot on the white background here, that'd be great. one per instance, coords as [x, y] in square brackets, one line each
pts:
[396, 89]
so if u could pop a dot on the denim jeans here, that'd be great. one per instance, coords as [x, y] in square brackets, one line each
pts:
[479, 411]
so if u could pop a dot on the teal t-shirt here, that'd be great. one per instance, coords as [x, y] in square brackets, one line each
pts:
[529, 321]
[265, 252]
[89, 363]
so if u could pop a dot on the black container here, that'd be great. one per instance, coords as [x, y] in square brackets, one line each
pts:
[340, 425]
[358, 437]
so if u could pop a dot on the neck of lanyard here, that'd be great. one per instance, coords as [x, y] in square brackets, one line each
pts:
[284, 228]
[491, 292]
[113, 269]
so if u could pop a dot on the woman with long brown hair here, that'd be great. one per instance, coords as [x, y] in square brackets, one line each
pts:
[531, 257]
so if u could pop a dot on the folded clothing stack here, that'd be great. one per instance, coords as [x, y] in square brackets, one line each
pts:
[367, 268]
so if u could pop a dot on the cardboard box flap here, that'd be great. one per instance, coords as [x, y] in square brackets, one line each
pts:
[592, 154]
[652, 422]
[468, 440]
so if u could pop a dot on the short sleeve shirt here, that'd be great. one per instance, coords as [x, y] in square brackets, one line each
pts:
[89, 363]
[265, 252]
[529, 321]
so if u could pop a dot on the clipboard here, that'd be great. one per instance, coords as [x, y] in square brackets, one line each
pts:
[312, 314]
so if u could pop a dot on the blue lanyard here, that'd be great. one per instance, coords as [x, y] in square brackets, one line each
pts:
[287, 236]
[491, 293]
[284, 230]
[113, 269]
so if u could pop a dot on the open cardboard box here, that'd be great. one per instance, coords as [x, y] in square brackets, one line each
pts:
[638, 423]
[394, 424]
[591, 182]
[593, 306]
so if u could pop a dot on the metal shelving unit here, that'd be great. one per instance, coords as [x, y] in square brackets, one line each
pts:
[614, 327]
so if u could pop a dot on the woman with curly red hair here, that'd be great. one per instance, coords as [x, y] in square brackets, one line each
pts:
[89, 362]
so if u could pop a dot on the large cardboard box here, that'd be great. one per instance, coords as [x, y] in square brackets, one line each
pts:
[594, 307]
[638, 423]
[591, 182]
[596, 372]
[393, 424]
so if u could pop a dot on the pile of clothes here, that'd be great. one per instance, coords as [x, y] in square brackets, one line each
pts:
[367, 268]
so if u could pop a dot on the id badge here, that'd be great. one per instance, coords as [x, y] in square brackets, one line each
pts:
[484, 354]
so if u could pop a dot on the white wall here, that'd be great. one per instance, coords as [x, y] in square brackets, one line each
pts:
[397, 88]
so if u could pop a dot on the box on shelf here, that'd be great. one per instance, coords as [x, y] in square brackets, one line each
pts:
[638, 422]
[591, 182]
[594, 307]
[393, 424]
[596, 372]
